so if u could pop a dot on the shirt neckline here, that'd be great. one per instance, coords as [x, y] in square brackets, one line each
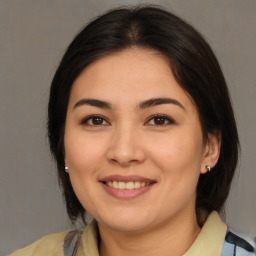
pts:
[209, 242]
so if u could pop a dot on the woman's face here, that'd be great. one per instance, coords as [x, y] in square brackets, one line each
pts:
[133, 142]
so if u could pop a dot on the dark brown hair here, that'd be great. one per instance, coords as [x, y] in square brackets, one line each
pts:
[194, 66]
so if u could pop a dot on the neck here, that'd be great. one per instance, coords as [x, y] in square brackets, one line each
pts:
[171, 238]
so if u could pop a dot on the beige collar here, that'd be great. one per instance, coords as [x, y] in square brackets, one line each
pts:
[209, 242]
[89, 240]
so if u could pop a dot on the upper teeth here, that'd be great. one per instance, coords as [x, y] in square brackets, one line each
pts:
[126, 185]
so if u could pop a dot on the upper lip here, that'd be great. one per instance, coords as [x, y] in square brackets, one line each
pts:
[128, 178]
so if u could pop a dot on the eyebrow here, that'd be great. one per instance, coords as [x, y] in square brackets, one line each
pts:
[143, 105]
[94, 103]
[159, 101]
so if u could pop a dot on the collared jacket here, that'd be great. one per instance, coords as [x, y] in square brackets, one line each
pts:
[215, 239]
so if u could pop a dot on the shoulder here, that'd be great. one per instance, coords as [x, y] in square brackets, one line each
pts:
[48, 245]
[238, 244]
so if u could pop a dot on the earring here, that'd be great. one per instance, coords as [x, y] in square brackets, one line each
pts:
[66, 168]
[208, 168]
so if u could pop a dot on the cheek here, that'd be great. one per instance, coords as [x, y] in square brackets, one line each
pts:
[179, 160]
[82, 153]
[178, 152]
[83, 156]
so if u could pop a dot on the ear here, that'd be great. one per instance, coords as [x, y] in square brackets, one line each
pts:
[211, 151]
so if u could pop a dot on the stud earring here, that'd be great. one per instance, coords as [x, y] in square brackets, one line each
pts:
[208, 168]
[66, 168]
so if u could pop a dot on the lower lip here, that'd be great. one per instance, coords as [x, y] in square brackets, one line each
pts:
[126, 193]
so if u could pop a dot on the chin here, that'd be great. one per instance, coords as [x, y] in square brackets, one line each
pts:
[131, 226]
[126, 222]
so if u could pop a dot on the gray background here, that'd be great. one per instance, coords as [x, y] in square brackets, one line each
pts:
[34, 35]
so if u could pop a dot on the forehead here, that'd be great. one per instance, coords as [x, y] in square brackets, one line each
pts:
[130, 75]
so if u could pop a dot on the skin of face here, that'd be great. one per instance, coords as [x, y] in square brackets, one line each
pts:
[127, 139]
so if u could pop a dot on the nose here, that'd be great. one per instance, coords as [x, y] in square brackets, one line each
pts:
[126, 147]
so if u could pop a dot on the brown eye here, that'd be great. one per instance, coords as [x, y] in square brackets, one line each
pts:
[160, 120]
[95, 121]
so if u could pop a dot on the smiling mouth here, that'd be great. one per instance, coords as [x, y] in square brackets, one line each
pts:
[126, 185]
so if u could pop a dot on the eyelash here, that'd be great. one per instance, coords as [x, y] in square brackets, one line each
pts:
[88, 118]
[164, 117]
[170, 121]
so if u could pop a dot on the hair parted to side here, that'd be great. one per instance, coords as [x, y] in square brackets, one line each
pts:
[194, 66]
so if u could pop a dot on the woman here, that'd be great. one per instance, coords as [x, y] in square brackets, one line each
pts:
[145, 140]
